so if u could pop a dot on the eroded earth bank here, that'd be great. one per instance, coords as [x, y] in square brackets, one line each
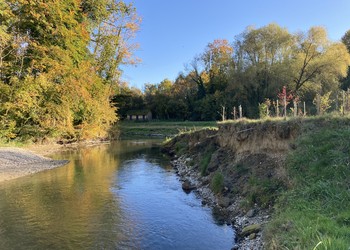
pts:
[238, 170]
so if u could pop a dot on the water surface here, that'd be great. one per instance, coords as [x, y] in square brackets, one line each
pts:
[119, 196]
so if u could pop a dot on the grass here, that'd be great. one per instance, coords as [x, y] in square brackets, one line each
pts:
[315, 212]
[217, 183]
[180, 147]
[262, 192]
[162, 129]
[205, 162]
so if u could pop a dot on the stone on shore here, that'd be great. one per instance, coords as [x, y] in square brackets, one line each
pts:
[248, 230]
[187, 186]
[224, 202]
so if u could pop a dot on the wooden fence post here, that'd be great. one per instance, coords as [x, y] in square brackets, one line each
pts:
[285, 106]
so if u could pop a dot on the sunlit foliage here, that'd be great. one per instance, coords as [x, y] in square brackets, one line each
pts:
[53, 79]
[251, 69]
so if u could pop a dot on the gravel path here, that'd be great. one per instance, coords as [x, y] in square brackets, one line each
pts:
[15, 162]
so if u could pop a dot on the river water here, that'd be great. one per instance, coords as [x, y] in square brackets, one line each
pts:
[119, 196]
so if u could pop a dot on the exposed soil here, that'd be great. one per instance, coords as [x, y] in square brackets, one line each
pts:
[250, 159]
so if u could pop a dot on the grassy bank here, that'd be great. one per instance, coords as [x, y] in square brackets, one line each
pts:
[298, 170]
[161, 129]
[314, 213]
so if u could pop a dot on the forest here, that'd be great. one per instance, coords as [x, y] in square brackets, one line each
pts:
[254, 71]
[60, 73]
[59, 66]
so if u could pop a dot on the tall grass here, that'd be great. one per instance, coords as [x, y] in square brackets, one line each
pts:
[205, 162]
[217, 183]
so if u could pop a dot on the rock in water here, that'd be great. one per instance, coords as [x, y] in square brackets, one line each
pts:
[187, 186]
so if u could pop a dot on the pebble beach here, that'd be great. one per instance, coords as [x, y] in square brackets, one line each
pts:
[16, 162]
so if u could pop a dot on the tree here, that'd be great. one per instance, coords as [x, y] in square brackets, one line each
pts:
[50, 82]
[217, 56]
[111, 40]
[346, 40]
[198, 76]
[262, 57]
[345, 82]
[315, 58]
[128, 99]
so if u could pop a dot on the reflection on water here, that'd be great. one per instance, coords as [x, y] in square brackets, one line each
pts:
[119, 196]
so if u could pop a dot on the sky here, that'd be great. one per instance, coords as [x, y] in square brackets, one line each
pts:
[173, 32]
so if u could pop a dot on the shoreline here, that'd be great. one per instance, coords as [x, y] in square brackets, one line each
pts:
[19, 162]
[225, 210]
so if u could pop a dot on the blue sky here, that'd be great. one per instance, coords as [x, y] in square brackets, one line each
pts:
[174, 31]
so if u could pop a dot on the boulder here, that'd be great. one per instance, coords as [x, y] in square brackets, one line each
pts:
[252, 236]
[224, 202]
[187, 186]
[248, 230]
[250, 213]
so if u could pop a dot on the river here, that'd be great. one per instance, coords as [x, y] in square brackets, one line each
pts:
[124, 195]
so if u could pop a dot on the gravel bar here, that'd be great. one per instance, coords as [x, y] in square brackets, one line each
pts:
[15, 162]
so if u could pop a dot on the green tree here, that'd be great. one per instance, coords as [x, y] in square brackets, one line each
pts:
[316, 58]
[262, 58]
[345, 82]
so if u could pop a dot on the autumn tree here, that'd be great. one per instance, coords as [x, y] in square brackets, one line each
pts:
[50, 82]
[111, 39]
[218, 59]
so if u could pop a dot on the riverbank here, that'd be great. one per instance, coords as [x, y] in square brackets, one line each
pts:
[225, 210]
[282, 184]
[235, 177]
[16, 162]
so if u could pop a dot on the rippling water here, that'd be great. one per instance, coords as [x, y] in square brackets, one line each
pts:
[119, 196]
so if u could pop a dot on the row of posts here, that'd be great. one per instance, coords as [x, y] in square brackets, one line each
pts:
[344, 107]
[236, 115]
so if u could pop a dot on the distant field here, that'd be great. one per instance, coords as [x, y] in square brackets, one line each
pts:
[161, 129]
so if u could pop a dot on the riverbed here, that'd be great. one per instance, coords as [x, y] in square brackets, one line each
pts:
[123, 195]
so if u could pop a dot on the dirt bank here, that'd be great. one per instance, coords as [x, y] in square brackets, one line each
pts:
[238, 170]
[15, 162]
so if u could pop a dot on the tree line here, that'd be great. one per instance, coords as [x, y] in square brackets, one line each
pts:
[249, 71]
[60, 65]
